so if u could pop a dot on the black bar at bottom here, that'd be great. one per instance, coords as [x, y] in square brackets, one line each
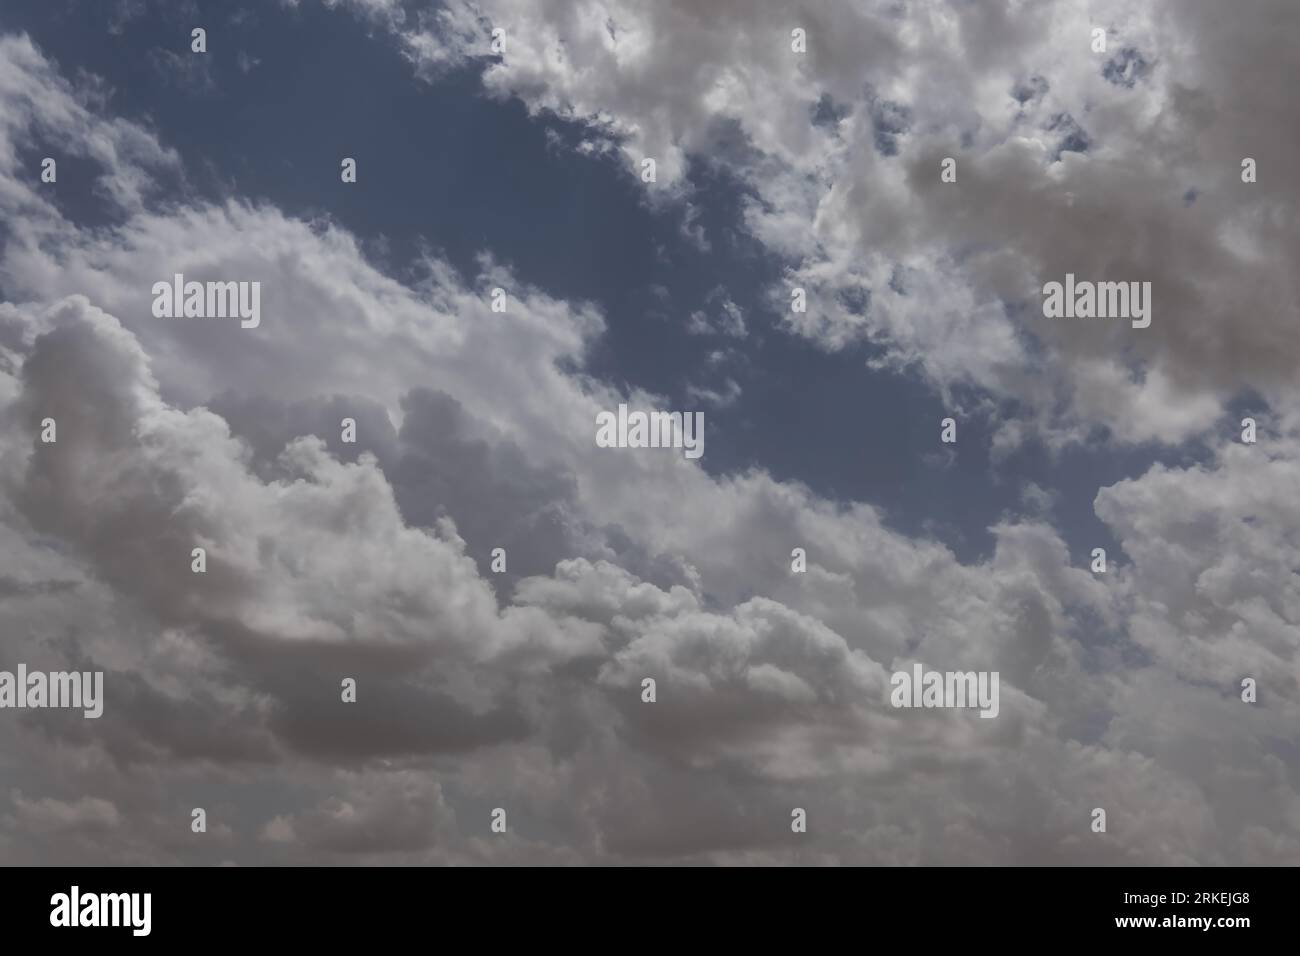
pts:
[625, 906]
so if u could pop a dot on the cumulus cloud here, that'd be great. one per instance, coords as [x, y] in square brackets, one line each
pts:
[328, 561]
[1069, 160]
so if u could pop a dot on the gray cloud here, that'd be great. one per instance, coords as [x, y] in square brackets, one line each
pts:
[327, 560]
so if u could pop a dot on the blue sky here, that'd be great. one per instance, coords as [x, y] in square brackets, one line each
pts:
[444, 165]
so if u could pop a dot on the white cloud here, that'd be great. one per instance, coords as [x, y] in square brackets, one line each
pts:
[1170, 107]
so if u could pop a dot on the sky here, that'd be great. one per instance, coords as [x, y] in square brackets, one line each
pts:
[779, 164]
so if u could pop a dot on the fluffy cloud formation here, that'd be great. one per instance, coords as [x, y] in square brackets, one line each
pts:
[326, 561]
[1123, 165]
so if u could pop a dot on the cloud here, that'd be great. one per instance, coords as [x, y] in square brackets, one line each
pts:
[1216, 587]
[403, 814]
[48, 814]
[730, 320]
[328, 561]
[1069, 160]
